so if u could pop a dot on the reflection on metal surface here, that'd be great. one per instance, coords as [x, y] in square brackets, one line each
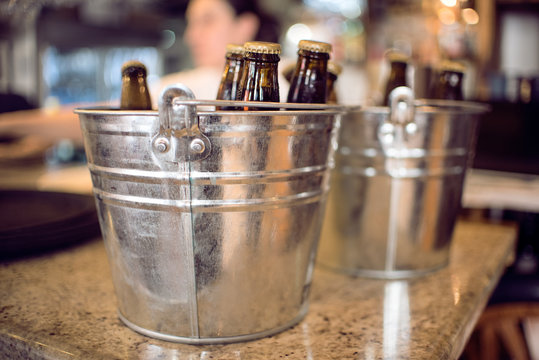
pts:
[215, 242]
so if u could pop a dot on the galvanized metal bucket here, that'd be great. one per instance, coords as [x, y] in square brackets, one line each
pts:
[397, 186]
[211, 219]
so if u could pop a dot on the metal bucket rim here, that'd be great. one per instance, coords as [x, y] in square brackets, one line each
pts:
[432, 106]
[283, 108]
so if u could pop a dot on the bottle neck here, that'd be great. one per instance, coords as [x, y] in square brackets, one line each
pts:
[233, 58]
[451, 78]
[259, 81]
[309, 81]
[450, 86]
[398, 71]
[397, 77]
[135, 94]
[228, 86]
[260, 57]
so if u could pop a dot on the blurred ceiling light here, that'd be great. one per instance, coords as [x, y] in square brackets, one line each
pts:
[449, 3]
[298, 32]
[350, 9]
[470, 16]
[446, 16]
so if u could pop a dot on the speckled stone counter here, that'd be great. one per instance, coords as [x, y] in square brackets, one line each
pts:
[62, 306]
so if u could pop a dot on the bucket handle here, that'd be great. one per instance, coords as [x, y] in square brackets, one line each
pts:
[401, 105]
[399, 125]
[179, 137]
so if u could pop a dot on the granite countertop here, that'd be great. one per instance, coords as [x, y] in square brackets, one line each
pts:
[62, 306]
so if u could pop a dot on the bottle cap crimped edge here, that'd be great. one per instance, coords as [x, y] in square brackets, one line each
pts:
[234, 49]
[262, 47]
[314, 46]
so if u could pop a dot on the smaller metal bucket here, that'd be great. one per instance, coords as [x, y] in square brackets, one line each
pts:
[397, 185]
[211, 219]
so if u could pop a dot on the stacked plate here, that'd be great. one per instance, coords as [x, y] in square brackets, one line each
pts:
[32, 222]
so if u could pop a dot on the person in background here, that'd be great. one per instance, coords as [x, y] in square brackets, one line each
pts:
[211, 25]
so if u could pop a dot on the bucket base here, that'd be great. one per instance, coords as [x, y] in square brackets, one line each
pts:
[385, 274]
[217, 340]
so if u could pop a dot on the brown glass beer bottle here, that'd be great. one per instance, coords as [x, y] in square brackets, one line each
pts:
[135, 93]
[309, 80]
[228, 88]
[397, 75]
[449, 83]
[259, 80]
[334, 70]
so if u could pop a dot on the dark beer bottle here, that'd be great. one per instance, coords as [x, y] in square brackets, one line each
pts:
[334, 70]
[309, 81]
[259, 80]
[449, 84]
[397, 75]
[135, 93]
[228, 88]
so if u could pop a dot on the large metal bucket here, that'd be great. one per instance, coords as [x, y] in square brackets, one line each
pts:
[397, 186]
[211, 219]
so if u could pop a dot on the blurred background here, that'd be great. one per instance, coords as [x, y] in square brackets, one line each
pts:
[65, 51]
[57, 52]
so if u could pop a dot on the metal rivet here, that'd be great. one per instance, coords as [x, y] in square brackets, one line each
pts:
[161, 145]
[198, 146]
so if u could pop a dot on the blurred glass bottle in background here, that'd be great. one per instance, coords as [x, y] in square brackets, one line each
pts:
[228, 88]
[397, 76]
[449, 83]
[334, 70]
[309, 80]
[259, 80]
[135, 92]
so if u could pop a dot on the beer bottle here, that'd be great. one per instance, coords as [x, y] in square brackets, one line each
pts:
[259, 80]
[397, 76]
[135, 93]
[334, 70]
[449, 84]
[309, 81]
[228, 88]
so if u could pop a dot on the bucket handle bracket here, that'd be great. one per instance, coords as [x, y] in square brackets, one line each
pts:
[179, 137]
[399, 126]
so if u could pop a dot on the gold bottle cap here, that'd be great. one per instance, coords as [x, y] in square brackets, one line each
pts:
[314, 46]
[453, 66]
[334, 68]
[234, 49]
[133, 65]
[262, 47]
[393, 55]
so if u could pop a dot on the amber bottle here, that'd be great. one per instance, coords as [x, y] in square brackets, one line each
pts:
[135, 93]
[334, 70]
[259, 80]
[397, 75]
[309, 80]
[449, 83]
[228, 88]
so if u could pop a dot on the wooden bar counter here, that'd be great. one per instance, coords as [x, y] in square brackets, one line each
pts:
[62, 306]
